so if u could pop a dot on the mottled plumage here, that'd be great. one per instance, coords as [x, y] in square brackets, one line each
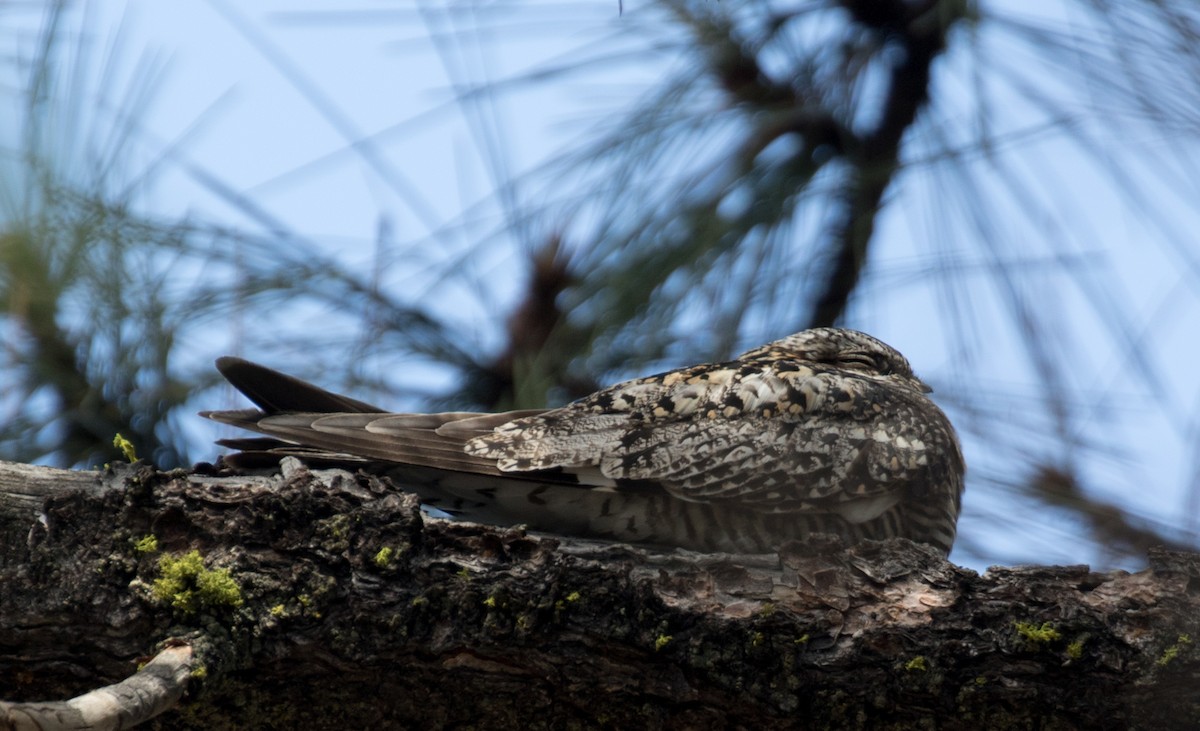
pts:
[826, 431]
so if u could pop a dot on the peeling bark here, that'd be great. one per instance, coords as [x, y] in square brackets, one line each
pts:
[353, 609]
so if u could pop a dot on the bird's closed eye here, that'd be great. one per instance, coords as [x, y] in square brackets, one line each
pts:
[859, 362]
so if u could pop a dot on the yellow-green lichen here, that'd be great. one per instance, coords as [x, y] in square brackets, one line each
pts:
[418, 601]
[334, 532]
[571, 598]
[802, 640]
[126, 448]
[1173, 651]
[490, 602]
[384, 556]
[917, 663]
[1038, 635]
[661, 641]
[758, 639]
[146, 544]
[980, 680]
[277, 610]
[464, 573]
[187, 586]
[766, 610]
[307, 603]
[1075, 650]
[200, 672]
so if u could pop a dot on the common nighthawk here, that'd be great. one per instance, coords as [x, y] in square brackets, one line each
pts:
[824, 431]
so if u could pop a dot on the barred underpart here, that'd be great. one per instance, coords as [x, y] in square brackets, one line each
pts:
[825, 431]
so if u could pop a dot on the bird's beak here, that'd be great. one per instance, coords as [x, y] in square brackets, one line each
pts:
[925, 387]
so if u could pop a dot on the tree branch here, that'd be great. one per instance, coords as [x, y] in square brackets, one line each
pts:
[919, 31]
[328, 600]
[155, 688]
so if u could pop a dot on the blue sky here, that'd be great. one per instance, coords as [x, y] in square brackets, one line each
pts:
[228, 94]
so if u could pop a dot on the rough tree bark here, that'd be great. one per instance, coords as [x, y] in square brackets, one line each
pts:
[320, 599]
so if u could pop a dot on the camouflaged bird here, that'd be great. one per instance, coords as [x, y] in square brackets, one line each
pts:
[824, 431]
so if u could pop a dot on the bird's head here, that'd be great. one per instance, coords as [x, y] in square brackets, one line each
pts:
[848, 350]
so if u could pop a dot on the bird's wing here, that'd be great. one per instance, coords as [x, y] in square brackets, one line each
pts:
[275, 392]
[778, 437]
